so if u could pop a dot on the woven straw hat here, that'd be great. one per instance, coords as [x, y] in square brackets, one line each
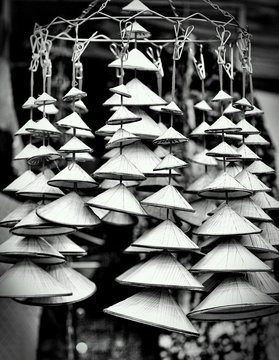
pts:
[162, 270]
[74, 94]
[154, 307]
[141, 95]
[36, 249]
[226, 222]
[17, 214]
[81, 287]
[234, 299]
[70, 210]
[73, 121]
[119, 168]
[73, 176]
[168, 197]
[135, 60]
[258, 168]
[230, 256]
[166, 236]
[19, 183]
[118, 198]
[26, 279]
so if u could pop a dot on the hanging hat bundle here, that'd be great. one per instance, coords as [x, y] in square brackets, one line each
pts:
[231, 226]
[39, 246]
[161, 272]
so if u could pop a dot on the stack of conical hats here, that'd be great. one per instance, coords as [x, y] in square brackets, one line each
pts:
[161, 271]
[39, 228]
[239, 247]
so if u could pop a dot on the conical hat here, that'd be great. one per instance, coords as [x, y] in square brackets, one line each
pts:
[171, 136]
[146, 128]
[120, 90]
[162, 270]
[73, 175]
[246, 128]
[168, 197]
[27, 152]
[79, 104]
[203, 105]
[65, 245]
[247, 154]
[119, 168]
[45, 99]
[154, 307]
[264, 282]
[258, 168]
[230, 109]
[136, 6]
[35, 248]
[74, 94]
[70, 210]
[200, 183]
[253, 112]
[270, 233]
[75, 145]
[118, 198]
[224, 186]
[152, 184]
[223, 124]
[161, 151]
[111, 153]
[243, 104]
[144, 159]
[40, 188]
[120, 138]
[26, 279]
[223, 150]
[234, 299]
[170, 162]
[230, 256]
[22, 130]
[202, 207]
[43, 126]
[141, 95]
[80, 133]
[109, 183]
[256, 243]
[81, 287]
[172, 108]
[222, 96]
[48, 153]
[233, 169]
[119, 219]
[17, 214]
[200, 130]
[32, 225]
[226, 222]
[203, 159]
[73, 121]
[265, 201]
[249, 209]
[122, 116]
[166, 236]
[135, 30]
[135, 60]
[19, 183]
[30, 103]
[251, 182]
[49, 109]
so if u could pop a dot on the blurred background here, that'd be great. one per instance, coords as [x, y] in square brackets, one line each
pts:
[33, 333]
